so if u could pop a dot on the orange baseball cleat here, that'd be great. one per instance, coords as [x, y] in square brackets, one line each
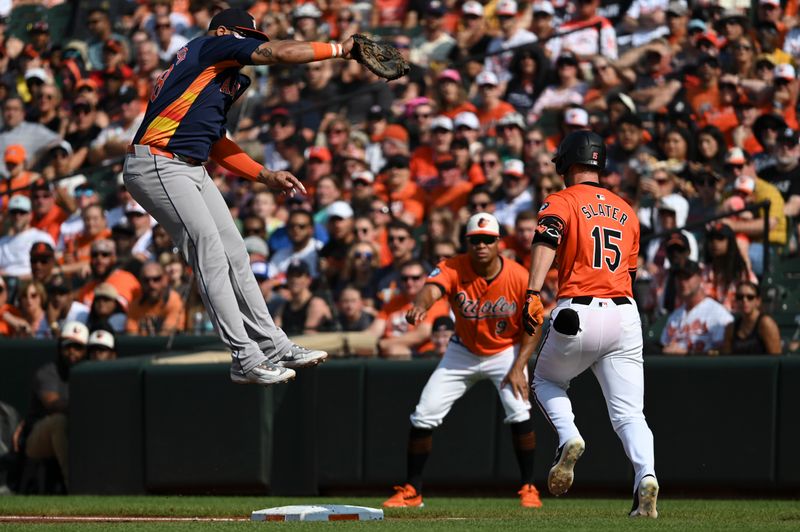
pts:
[529, 497]
[405, 497]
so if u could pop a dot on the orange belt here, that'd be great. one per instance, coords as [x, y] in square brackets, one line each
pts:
[167, 154]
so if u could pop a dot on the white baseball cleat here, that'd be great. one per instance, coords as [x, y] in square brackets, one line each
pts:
[561, 474]
[644, 502]
[301, 357]
[265, 374]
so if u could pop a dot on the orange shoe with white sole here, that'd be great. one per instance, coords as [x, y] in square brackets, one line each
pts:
[404, 497]
[529, 497]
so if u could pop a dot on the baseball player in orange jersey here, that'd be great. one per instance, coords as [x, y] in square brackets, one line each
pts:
[485, 292]
[594, 237]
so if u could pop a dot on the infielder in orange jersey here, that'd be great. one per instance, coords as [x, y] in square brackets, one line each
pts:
[486, 293]
[593, 235]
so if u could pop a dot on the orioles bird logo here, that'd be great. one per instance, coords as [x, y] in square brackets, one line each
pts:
[483, 222]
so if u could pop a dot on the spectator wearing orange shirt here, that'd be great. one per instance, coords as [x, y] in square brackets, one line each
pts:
[453, 185]
[9, 316]
[404, 198]
[18, 179]
[47, 216]
[159, 311]
[492, 107]
[451, 97]
[398, 339]
[104, 269]
[77, 249]
[705, 98]
[422, 165]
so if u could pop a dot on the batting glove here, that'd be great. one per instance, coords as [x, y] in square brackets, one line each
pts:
[532, 312]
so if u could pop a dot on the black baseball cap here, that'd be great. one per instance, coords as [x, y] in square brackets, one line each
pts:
[688, 269]
[298, 268]
[237, 20]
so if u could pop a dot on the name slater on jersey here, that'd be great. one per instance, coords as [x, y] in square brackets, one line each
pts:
[608, 211]
[475, 309]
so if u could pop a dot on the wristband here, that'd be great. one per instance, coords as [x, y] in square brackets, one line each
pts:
[324, 50]
[533, 292]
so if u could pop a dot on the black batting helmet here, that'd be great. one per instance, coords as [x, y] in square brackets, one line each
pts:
[580, 147]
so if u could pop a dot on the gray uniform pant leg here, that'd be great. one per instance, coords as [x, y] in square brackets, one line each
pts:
[185, 201]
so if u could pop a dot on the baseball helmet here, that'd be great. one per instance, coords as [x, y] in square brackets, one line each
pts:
[580, 147]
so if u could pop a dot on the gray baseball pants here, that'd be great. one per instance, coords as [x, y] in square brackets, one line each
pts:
[187, 203]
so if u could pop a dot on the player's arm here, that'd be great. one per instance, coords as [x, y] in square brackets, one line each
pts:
[296, 52]
[430, 294]
[230, 156]
[516, 375]
[543, 253]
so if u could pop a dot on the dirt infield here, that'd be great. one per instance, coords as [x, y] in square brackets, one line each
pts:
[113, 519]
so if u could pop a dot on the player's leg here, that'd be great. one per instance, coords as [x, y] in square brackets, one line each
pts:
[254, 313]
[621, 377]
[518, 418]
[170, 192]
[568, 349]
[450, 380]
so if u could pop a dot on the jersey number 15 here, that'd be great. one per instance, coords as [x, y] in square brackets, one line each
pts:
[606, 247]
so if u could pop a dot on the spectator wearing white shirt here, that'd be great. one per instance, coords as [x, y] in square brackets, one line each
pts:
[569, 90]
[697, 326]
[512, 35]
[588, 34]
[646, 19]
[15, 247]
[169, 42]
[142, 224]
[35, 138]
[435, 44]
[517, 194]
[85, 196]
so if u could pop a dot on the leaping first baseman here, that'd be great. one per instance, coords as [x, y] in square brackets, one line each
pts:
[183, 127]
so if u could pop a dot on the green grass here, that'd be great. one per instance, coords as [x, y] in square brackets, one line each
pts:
[439, 514]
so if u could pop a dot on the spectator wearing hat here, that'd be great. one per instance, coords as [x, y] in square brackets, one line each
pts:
[16, 244]
[101, 346]
[142, 224]
[303, 313]
[362, 190]
[677, 18]
[738, 163]
[396, 338]
[85, 196]
[18, 178]
[732, 24]
[340, 228]
[61, 308]
[39, 37]
[99, 24]
[705, 97]
[442, 330]
[450, 95]
[452, 187]
[517, 194]
[752, 330]
[404, 198]
[725, 265]
[569, 90]
[255, 246]
[434, 44]
[308, 24]
[44, 432]
[104, 269]
[159, 311]
[114, 139]
[107, 310]
[468, 127]
[319, 163]
[393, 141]
[545, 27]
[472, 38]
[492, 107]
[697, 326]
[422, 164]
[766, 130]
[663, 288]
[35, 78]
[82, 131]
[582, 36]
[510, 131]
[512, 34]
[43, 263]
[671, 213]
[304, 247]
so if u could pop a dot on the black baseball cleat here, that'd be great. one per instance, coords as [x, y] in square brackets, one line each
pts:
[562, 473]
[645, 498]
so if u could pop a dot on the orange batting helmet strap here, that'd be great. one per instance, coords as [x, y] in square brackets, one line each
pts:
[483, 223]
[580, 147]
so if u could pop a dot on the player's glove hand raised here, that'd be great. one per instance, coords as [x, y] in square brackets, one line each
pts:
[532, 312]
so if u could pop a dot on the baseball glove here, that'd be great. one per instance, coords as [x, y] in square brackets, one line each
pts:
[381, 58]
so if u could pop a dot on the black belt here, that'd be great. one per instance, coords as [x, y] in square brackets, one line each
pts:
[587, 300]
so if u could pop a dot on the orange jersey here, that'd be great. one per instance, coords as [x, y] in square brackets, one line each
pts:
[487, 313]
[599, 241]
[394, 314]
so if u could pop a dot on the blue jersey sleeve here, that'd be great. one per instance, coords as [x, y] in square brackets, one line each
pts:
[226, 47]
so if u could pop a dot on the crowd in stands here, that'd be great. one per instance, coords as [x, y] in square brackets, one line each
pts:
[697, 102]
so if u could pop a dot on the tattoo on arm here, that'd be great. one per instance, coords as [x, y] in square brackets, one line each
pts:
[265, 51]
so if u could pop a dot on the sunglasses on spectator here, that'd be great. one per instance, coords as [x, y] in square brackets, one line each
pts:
[407, 278]
[103, 254]
[489, 162]
[742, 297]
[362, 255]
[154, 279]
[475, 240]
[745, 47]
[535, 142]
[361, 183]
[17, 212]
[41, 260]
[397, 238]
[420, 116]
[162, 26]
[85, 193]
[250, 231]
[479, 205]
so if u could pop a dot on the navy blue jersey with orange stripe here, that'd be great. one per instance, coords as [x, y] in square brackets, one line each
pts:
[187, 108]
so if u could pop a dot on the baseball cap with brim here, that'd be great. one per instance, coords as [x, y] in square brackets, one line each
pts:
[567, 58]
[237, 20]
[471, 7]
[298, 268]
[441, 122]
[19, 203]
[15, 154]
[320, 153]
[363, 175]
[133, 206]
[544, 7]
[467, 119]
[697, 25]
[395, 161]
[735, 156]
[101, 338]
[788, 137]
[506, 8]
[486, 78]
[514, 167]
[688, 268]
[449, 74]
[74, 332]
[42, 249]
[106, 290]
[37, 73]
[678, 8]
[720, 229]
[744, 183]
[340, 209]
[260, 270]
[512, 119]
[57, 286]
[256, 246]
[784, 71]
[483, 223]
[62, 145]
[575, 116]
[443, 323]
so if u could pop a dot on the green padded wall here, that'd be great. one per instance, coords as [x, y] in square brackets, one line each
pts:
[788, 437]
